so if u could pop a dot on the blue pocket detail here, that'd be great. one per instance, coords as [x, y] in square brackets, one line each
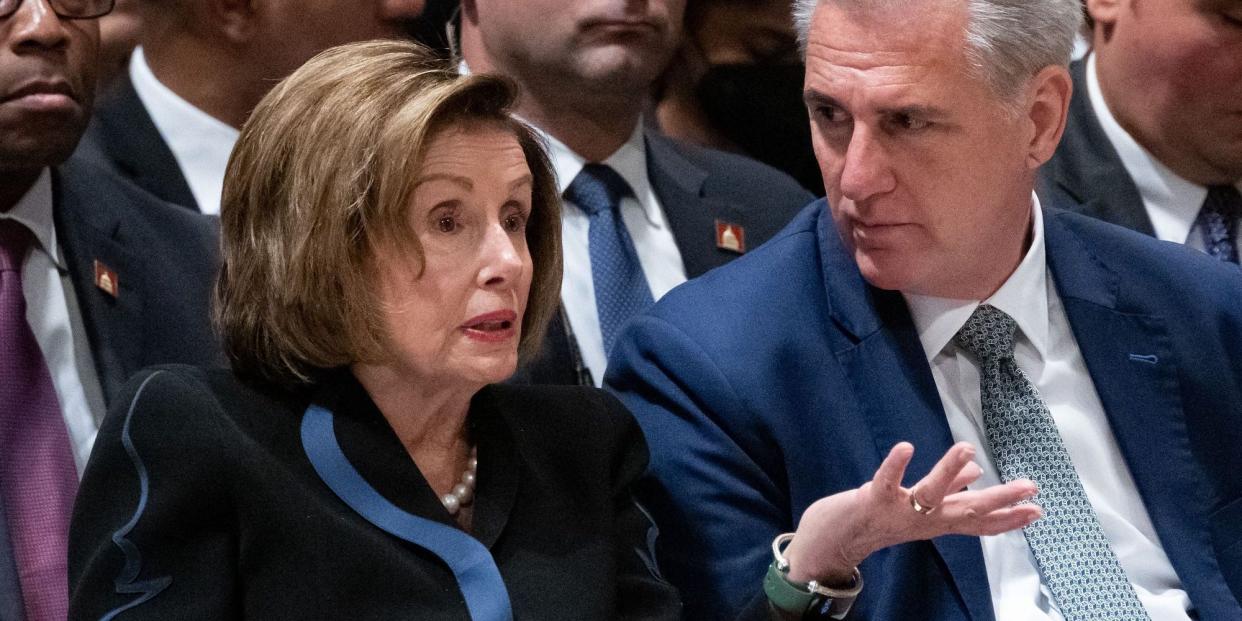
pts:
[477, 575]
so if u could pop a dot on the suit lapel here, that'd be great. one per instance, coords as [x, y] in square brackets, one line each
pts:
[1087, 168]
[1135, 371]
[678, 183]
[134, 143]
[883, 358]
[114, 324]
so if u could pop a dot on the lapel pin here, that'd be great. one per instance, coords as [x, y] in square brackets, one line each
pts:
[730, 237]
[106, 279]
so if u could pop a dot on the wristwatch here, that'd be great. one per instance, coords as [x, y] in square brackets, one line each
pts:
[805, 598]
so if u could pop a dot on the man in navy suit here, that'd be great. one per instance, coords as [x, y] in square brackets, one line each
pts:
[1154, 140]
[585, 69]
[97, 280]
[169, 121]
[933, 306]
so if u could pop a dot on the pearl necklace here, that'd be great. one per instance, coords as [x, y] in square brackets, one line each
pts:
[462, 494]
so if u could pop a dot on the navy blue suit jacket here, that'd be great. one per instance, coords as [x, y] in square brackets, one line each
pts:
[165, 260]
[697, 187]
[783, 377]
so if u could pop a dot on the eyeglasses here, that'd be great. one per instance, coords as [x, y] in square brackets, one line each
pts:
[65, 9]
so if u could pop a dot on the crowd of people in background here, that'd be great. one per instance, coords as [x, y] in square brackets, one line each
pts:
[641, 309]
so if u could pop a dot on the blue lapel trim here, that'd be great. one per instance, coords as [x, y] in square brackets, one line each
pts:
[1132, 363]
[127, 582]
[470, 561]
[894, 386]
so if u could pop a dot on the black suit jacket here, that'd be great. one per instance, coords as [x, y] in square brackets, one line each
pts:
[1087, 168]
[165, 260]
[696, 187]
[233, 522]
[123, 138]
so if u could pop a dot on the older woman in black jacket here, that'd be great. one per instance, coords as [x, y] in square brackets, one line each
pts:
[392, 247]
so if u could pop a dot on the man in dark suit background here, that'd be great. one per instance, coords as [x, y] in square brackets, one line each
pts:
[170, 122]
[1154, 141]
[932, 307]
[97, 280]
[665, 211]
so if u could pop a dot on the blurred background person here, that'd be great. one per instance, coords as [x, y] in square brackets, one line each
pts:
[643, 212]
[170, 121]
[391, 243]
[118, 34]
[1154, 141]
[97, 280]
[735, 84]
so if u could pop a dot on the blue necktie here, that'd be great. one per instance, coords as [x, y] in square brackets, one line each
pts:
[1218, 219]
[1075, 559]
[621, 289]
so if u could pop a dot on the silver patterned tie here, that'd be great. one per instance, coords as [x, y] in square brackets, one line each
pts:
[1074, 557]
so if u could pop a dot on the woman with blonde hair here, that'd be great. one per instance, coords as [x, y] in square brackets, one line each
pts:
[391, 241]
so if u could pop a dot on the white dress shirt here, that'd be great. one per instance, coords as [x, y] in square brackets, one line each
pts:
[648, 227]
[53, 313]
[200, 142]
[1171, 202]
[1046, 351]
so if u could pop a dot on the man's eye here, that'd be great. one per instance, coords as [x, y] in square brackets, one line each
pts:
[446, 224]
[911, 123]
[832, 114]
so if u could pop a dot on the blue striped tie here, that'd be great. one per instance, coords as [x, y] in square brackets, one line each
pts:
[621, 289]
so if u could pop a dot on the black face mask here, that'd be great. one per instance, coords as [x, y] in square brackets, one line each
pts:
[760, 109]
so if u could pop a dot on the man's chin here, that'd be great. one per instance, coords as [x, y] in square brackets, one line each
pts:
[31, 150]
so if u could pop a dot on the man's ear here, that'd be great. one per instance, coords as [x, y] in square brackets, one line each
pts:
[1047, 111]
[236, 19]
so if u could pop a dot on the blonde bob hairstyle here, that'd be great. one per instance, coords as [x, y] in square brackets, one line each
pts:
[321, 178]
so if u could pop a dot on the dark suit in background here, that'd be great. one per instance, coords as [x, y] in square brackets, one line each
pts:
[1087, 168]
[799, 378]
[237, 523]
[123, 138]
[164, 258]
[696, 187]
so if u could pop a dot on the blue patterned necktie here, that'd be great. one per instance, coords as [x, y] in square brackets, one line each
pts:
[1069, 544]
[1218, 220]
[621, 289]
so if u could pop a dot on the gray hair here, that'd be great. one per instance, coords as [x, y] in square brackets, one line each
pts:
[1007, 41]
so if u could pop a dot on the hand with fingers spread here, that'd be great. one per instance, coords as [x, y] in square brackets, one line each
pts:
[837, 532]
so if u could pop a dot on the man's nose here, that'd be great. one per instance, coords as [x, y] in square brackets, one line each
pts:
[867, 171]
[36, 25]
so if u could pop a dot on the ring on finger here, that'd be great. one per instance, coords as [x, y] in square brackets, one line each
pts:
[920, 507]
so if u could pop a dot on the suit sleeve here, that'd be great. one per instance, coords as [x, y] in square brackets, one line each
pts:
[153, 533]
[717, 508]
[642, 592]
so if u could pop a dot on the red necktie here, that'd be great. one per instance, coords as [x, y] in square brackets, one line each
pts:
[37, 476]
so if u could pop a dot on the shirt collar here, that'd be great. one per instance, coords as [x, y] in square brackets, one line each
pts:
[1023, 296]
[1174, 202]
[200, 142]
[34, 211]
[629, 160]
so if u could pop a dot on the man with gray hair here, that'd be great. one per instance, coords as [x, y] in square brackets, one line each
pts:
[1074, 389]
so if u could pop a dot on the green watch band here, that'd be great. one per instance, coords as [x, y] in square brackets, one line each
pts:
[802, 598]
[786, 595]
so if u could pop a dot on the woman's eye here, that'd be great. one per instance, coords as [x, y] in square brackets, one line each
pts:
[514, 222]
[446, 224]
